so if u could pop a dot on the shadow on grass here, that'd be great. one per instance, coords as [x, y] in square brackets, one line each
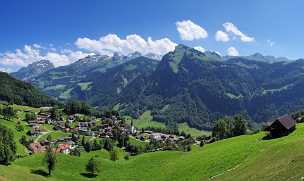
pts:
[269, 137]
[88, 175]
[40, 172]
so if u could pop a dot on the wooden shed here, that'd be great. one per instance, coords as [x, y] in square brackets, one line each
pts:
[281, 126]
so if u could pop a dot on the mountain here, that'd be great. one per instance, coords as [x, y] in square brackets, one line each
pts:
[268, 59]
[18, 92]
[190, 86]
[185, 86]
[95, 78]
[33, 70]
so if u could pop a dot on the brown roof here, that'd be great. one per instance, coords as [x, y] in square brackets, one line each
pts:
[287, 121]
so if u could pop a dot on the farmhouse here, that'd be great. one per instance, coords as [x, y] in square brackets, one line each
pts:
[282, 126]
[63, 148]
[37, 148]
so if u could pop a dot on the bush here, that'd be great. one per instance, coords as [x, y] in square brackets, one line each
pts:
[92, 166]
[75, 152]
[127, 156]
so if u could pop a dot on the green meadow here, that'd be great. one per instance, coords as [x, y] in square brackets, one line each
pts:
[247, 157]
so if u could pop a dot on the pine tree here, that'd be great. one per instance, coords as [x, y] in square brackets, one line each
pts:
[50, 160]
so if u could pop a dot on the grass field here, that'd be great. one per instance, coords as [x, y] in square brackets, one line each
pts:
[146, 120]
[194, 132]
[246, 157]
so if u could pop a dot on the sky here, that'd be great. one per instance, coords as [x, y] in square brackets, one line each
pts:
[64, 31]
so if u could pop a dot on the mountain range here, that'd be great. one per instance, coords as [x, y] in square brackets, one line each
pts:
[186, 85]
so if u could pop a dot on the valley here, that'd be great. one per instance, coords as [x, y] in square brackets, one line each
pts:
[247, 157]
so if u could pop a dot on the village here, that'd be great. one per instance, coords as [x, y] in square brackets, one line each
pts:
[72, 132]
[76, 128]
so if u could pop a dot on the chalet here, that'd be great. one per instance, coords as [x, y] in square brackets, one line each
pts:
[43, 117]
[63, 148]
[35, 131]
[159, 136]
[83, 125]
[281, 126]
[37, 148]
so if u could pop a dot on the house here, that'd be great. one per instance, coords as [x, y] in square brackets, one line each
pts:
[35, 131]
[37, 148]
[281, 126]
[159, 136]
[43, 117]
[63, 148]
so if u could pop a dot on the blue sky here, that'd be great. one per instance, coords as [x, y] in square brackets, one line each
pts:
[275, 26]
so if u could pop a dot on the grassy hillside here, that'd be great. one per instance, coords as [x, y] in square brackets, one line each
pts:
[241, 158]
[146, 120]
[193, 131]
[18, 92]
[21, 150]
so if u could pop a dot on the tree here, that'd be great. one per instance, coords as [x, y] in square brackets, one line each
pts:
[73, 107]
[240, 126]
[114, 155]
[92, 167]
[229, 127]
[108, 144]
[19, 127]
[75, 152]
[49, 137]
[50, 160]
[83, 141]
[220, 129]
[56, 114]
[30, 116]
[96, 145]
[7, 145]
[23, 140]
[88, 146]
[8, 112]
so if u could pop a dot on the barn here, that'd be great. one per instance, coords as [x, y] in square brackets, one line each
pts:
[281, 126]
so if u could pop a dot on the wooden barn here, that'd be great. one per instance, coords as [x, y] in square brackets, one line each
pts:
[281, 126]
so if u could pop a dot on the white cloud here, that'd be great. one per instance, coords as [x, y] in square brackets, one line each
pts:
[221, 36]
[11, 61]
[21, 57]
[232, 51]
[3, 69]
[190, 31]
[111, 43]
[199, 48]
[271, 43]
[231, 28]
